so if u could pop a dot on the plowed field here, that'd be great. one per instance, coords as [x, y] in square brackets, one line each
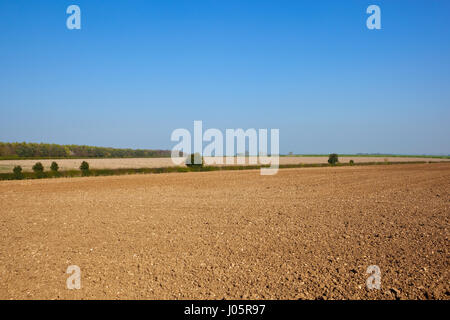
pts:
[305, 233]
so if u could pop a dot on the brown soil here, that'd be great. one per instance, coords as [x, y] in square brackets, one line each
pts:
[301, 234]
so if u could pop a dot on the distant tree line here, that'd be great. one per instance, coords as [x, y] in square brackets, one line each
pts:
[45, 150]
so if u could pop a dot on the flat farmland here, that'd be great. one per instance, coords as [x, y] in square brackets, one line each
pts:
[306, 233]
[96, 163]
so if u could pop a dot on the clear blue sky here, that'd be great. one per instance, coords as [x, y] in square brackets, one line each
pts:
[137, 70]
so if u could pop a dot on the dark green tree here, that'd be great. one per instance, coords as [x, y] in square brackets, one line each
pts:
[195, 160]
[54, 167]
[38, 167]
[84, 167]
[333, 159]
[18, 172]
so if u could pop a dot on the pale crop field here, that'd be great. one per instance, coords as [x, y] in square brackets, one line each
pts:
[74, 164]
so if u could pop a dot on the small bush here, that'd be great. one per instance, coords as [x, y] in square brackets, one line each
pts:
[38, 167]
[18, 172]
[333, 159]
[84, 167]
[54, 167]
[195, 160]
[351, 162]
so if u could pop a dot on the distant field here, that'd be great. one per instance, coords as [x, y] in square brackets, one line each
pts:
[373, 156]
[71, 164]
